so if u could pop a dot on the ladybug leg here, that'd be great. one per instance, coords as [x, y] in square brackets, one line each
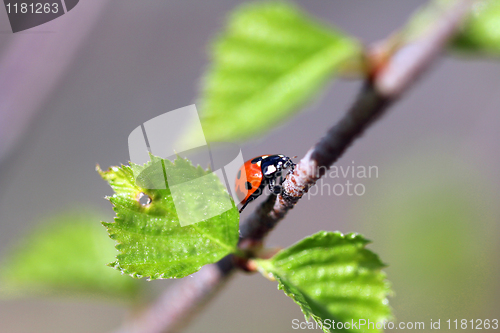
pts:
[246, 203]
[273, 187]
[277, 189]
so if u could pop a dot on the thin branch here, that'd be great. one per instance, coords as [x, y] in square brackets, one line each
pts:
[411, 61]
[173, 309]
[368, 106]
[402, 69]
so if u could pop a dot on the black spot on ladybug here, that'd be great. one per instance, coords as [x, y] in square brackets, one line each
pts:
[248, 185]
[239, 174]
[240, 194]
[257, 159]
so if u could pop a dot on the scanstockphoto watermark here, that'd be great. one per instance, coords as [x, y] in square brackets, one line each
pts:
[431, 324]
[348, 180]
[360, 324]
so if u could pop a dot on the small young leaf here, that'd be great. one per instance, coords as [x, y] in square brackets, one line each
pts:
[481, 32]
[333, 277]
[270, 58]
[65, 256]
[151, 202]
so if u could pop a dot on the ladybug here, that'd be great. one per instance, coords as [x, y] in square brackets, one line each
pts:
[258, 172]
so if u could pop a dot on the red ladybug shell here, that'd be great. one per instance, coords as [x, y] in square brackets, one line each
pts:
[258, 172]
[248, 180]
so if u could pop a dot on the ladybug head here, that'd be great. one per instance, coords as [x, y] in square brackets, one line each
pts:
[287, 162]
[274, 165]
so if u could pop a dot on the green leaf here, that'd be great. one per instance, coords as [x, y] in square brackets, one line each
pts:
[270, 58]
[481, 32]
[150, 238]
[479, 35]
[65, 256]
[332, 277]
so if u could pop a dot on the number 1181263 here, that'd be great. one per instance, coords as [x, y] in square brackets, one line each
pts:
[478, 324]
[32, 8]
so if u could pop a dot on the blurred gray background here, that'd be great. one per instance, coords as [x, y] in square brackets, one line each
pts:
[76, 87]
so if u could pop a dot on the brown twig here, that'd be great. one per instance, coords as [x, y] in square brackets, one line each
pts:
[368, 106]
[386, 85]
[173, 309]
[402, 69]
